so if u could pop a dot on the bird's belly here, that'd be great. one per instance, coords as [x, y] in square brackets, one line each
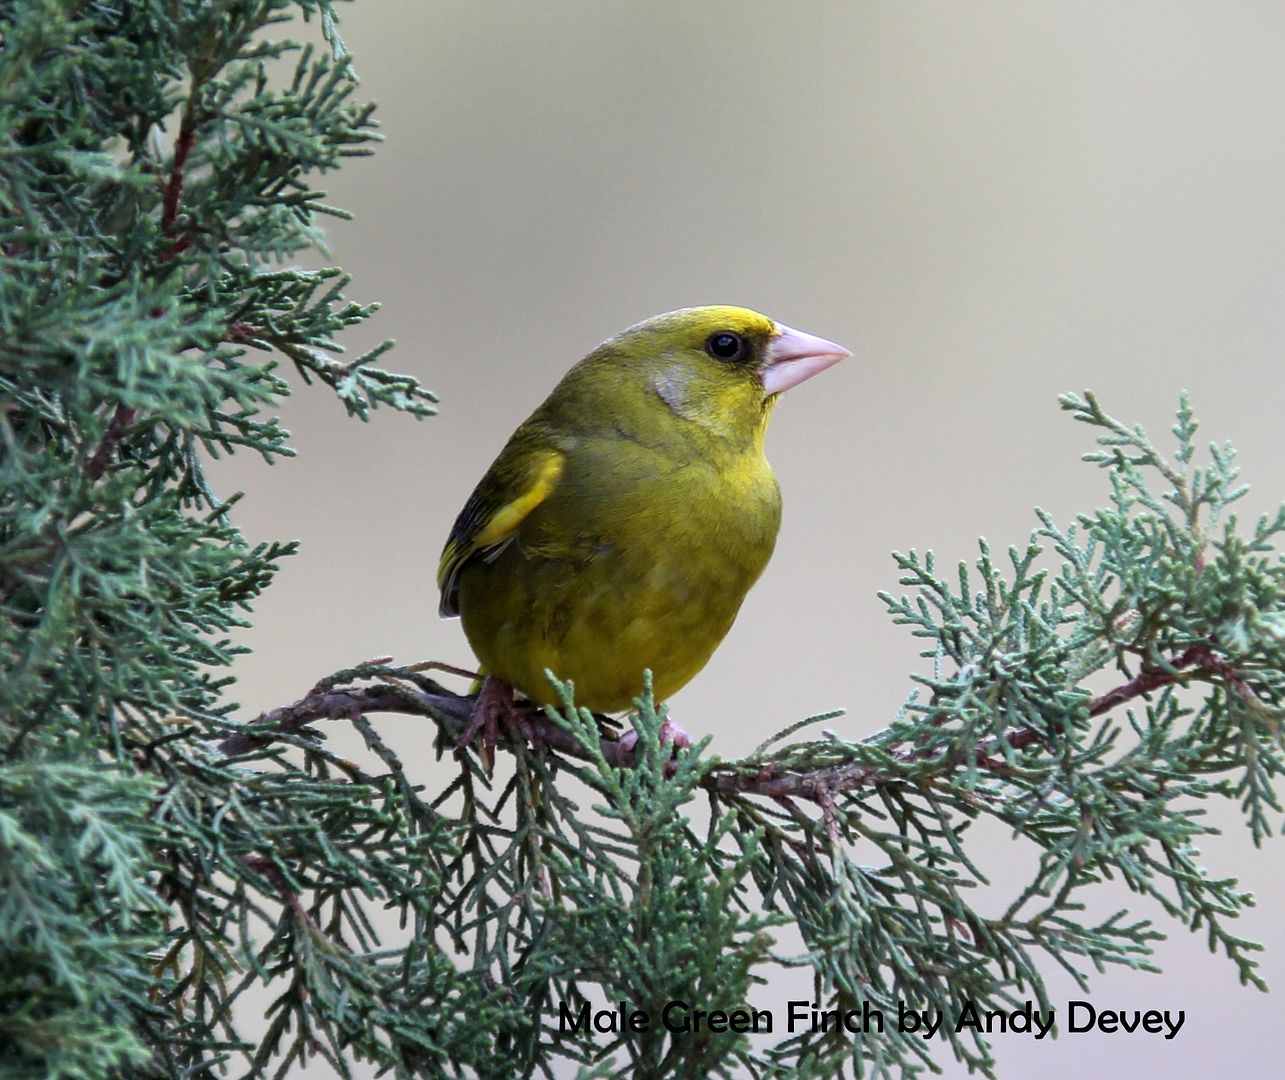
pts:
[662, 602]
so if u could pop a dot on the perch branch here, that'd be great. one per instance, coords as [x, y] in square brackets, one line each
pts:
[819, 786]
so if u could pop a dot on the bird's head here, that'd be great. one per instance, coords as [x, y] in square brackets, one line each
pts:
[720, 367]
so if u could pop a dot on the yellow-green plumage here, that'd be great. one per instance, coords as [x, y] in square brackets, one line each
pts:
[623, 523]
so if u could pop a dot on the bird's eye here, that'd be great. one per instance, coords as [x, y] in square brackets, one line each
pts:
[725, 345]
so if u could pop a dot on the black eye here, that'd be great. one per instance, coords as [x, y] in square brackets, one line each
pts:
[725, 345]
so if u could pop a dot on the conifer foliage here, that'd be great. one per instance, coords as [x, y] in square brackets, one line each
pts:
[155, 167]
[160, 857]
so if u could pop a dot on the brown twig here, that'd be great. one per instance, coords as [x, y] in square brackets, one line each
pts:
[332, 704]
[260, 864]
[1151, 679]
[173, 197]
[453, 710]
[174, 186]
[116, 428]
[819, 786]
[170, 201]
[242, 331]
[1146, 681]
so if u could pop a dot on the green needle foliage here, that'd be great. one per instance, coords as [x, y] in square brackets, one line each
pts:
[155, 161]
[1092, 692]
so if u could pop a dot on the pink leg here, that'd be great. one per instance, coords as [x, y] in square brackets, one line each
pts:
[494, 706]
[669, 733]
[494, 703]
[672, 733]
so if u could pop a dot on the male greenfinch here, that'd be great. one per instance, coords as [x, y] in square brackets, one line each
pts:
[625, 520]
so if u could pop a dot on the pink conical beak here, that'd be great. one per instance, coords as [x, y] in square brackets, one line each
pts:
[793, 356]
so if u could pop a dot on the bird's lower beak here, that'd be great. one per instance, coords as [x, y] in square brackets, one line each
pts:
[793, 356]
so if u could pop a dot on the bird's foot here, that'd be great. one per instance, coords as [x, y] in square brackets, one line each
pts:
[669, 733]
[494, 706]
[672, 733]
[494, 703]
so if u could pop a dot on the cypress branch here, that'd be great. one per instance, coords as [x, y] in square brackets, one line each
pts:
[159, 857]
[862, 844]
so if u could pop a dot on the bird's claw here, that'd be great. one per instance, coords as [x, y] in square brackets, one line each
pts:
[672, 733]
[669, 733]
[494, 705]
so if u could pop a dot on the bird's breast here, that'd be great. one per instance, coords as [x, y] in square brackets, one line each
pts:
[638, 562]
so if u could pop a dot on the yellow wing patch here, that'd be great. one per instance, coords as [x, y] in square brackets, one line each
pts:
[483, 525]
[510, 516]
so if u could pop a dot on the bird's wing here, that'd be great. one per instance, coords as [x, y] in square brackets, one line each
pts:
[515, 485]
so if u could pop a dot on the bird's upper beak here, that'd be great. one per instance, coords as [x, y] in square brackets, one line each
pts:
[793, 356]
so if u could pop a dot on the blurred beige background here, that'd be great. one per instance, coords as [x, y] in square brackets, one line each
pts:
[989, 203]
